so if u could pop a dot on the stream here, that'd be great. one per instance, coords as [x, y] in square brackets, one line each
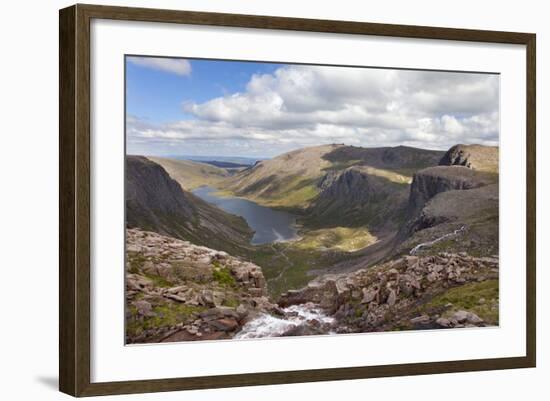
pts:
[266, 325]
[435, 241]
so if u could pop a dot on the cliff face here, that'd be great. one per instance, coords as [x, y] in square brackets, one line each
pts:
[429, 182]
[359, 195]
[151, 193]
[177, 291]
[156, 202]
[477, 157]
[452, 208]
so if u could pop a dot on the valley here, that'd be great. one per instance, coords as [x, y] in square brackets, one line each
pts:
[339, 239]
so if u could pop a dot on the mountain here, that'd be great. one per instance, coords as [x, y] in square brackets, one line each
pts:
[156, 202]
[295, 179]
[191, 174]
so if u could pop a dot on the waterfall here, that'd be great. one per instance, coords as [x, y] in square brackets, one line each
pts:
[266, 325]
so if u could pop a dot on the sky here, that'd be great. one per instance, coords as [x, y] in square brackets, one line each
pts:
[195, 107]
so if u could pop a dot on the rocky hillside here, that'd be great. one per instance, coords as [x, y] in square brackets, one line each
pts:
[359, 196]
[177, 291]
[477, 157]
[446, 209]
[452, 208]
[431, 181]
[441, 291]
[156, 202]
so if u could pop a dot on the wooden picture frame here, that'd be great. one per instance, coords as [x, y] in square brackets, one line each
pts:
[74, 203]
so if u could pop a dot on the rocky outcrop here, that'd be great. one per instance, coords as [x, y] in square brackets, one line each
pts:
[451, 208]
[429, 182]
[156, 202]
[401, 294]
[477, 157]
[178, 291]
[358, 194]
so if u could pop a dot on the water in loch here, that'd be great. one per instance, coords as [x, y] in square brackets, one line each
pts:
[269, 225]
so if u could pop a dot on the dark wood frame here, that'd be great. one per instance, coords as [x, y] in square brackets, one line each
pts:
[74, 199]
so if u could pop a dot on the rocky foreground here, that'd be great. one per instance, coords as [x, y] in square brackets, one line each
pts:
[177, 291]
[412, 292]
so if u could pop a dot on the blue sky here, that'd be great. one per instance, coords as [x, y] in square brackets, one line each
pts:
[195, 107]
[157, 95]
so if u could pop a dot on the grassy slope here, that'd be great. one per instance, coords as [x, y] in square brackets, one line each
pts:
[287, 181]
[191, 174]
[480, 298]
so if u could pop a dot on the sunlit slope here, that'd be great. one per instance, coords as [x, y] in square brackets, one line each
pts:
[191, 174]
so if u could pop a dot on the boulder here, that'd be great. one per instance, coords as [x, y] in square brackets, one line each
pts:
[443, 322]
[461, 316]
[369, 294]
[420, 319]
[392, 298]
[225, 324]
[144, 308]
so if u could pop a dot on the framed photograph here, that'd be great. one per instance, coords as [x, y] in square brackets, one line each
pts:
[250, 200]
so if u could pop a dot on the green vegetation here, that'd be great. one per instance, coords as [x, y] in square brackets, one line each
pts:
[390, 175]
[159, 281]
[231, 302]
[341, 165]
[290, 266]
[136, 261]
[165, 315]
[297, 198]
[223, 276]
[480, 298]
[345, 239]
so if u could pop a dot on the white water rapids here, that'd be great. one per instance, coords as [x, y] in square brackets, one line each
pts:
[266, 325]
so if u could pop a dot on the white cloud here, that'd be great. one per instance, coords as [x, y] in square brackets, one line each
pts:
[172, 65]
[299, 106]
